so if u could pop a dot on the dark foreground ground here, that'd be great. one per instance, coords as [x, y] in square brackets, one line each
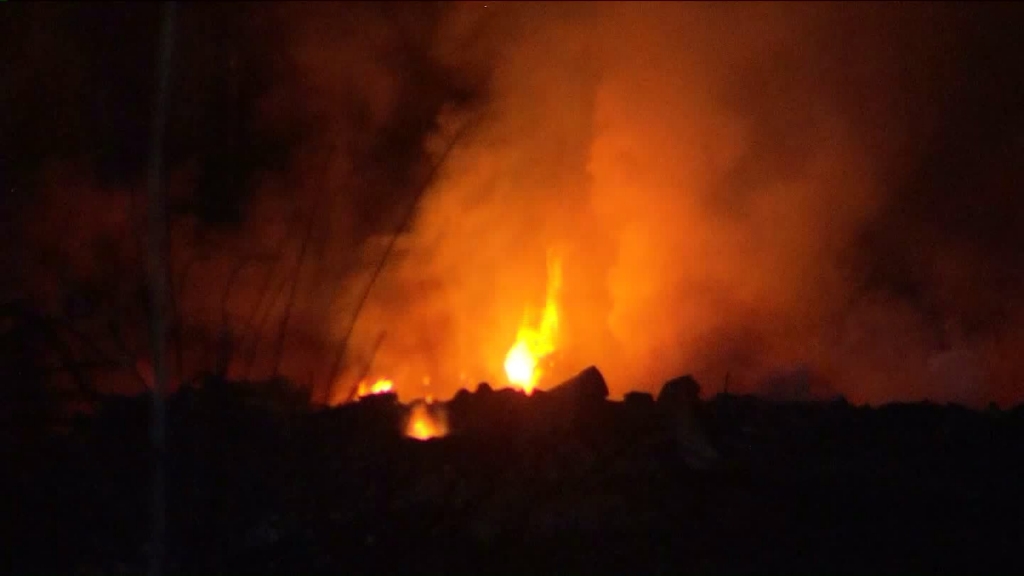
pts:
[525, 486]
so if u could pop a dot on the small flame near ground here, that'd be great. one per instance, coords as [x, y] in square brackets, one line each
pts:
[381, 386]
[364, 388]
[534, 343]
[426, 420]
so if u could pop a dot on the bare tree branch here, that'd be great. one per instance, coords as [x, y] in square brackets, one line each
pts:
[257, 328]
[290, 302]
[403, 223]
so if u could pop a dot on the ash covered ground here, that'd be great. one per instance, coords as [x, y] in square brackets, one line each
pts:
[563, 481]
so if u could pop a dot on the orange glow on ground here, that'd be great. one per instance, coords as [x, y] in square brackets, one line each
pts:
[425, 423]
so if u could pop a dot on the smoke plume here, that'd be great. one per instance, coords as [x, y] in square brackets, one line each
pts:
[746, 192]
[709, 174]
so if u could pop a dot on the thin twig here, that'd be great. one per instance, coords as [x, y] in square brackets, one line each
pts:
[261, 323]
[402, 225]
[290, 302]
[230, 284]
[177, 297]
[124, 357]
[74, 368]
[255, 318]
[259, 315]
[283, 332]
[222, 360]
[373, 355]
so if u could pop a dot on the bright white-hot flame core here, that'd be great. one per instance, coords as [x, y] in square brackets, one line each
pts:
[536, 342]
[381, 386]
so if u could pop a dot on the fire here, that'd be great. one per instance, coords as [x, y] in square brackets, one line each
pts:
[424, 423]
[381, 386]
[534, 343]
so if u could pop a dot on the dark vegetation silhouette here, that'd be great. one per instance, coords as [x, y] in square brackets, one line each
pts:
[562, 481]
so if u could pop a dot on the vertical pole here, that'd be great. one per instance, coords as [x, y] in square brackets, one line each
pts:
[158, 278]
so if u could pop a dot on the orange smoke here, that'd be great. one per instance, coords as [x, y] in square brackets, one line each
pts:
[706, 171]
[704, 176]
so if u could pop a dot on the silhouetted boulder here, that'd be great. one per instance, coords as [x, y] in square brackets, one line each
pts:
[375, 400]
[487, 413]
[587, 386]
[639, 399]
[679, 392]
[509, 396]
[635, 419]
[680, 399]
[463, 410]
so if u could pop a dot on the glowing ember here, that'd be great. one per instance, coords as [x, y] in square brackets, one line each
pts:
[381, 386]
[424, 423]
[534, 343]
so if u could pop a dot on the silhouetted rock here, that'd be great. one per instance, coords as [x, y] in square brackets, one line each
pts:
[639, 399]
[681, 391]
[680, 399]
[508, 396]
[587, 386]
[488, 413]
[378, 400]
[530, 484]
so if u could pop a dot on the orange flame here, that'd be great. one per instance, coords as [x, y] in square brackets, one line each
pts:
[381, 386]
[424, 423]
[534, 343]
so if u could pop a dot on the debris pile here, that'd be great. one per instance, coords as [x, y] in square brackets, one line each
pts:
[563, 480]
